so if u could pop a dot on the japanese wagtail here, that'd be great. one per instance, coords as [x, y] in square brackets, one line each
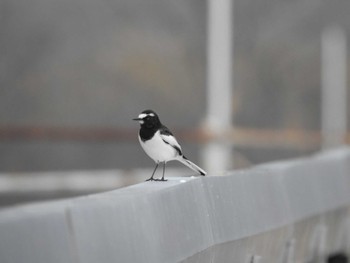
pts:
[160, 144]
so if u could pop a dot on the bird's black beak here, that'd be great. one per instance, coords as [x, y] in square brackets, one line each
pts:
[137, 119]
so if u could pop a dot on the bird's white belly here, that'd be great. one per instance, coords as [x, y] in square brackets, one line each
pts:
[158, 150]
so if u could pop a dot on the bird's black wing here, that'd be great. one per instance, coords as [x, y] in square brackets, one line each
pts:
[169, 138]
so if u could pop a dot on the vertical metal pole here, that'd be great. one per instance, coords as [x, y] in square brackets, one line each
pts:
[333, 110]
[217, 154]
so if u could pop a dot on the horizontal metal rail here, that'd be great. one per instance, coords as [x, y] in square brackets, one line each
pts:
[285, 138]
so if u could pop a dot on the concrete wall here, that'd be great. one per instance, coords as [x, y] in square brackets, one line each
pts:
[293, 211]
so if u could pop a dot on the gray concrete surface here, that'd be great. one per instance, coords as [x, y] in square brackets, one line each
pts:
[292, 211]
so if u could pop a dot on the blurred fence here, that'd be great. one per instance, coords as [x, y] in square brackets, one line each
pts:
[291, 211]
[275, 65]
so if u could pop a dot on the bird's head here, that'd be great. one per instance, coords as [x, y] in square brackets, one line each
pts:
[148, 119]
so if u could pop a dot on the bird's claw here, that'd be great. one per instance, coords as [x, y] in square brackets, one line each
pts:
[157, 180]
[161, 180]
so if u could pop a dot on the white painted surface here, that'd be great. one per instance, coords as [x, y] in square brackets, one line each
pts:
[247, 213]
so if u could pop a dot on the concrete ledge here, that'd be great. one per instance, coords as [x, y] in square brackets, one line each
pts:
[188, 219]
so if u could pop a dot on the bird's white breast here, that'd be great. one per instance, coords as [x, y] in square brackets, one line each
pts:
[157, 149]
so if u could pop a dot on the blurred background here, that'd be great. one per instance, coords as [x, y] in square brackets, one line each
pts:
[74, 73]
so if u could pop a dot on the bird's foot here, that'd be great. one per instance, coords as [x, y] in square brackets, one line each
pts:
[151, 179]
[161, 180]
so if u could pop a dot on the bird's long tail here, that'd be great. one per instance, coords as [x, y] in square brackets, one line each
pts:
[191, 165]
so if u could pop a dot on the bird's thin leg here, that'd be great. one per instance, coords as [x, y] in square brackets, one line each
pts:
[163, 173]
[151, 178]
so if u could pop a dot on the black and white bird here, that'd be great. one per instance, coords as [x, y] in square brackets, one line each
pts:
[160, 144]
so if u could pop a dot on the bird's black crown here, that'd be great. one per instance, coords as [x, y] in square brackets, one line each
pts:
[148, 119]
